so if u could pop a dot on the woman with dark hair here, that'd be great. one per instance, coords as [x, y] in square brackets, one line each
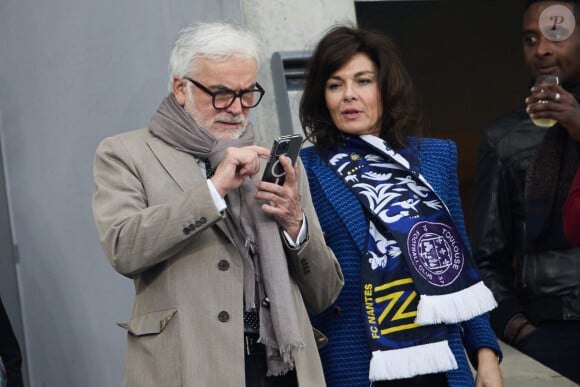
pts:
[389, 206]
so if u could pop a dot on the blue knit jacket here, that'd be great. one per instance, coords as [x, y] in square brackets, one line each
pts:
[346, 357]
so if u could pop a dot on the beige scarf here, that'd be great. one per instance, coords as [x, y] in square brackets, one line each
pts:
[256, 234]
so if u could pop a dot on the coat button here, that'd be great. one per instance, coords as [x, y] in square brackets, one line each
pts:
[224, 316]
[223, 265]
[202, 219]
[186, 230]
[336, 310]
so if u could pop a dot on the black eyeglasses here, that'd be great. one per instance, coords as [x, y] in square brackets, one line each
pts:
[223, 99]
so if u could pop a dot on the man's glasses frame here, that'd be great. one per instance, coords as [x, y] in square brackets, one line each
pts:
[225, 98]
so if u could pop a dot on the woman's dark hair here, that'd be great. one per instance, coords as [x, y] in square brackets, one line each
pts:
[335, 49]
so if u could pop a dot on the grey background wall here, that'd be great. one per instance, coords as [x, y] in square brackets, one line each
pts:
[71, 73]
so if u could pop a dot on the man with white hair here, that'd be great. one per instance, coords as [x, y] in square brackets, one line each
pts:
[226, 267]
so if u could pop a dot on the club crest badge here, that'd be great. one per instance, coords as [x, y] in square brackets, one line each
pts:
[436, 253]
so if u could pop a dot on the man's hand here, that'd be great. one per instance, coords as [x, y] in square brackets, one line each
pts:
[236, 166]
[283, 202]
[555, 103]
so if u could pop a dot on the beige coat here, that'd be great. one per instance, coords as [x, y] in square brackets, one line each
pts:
[158, 225]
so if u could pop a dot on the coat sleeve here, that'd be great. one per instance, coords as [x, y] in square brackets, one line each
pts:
[453, 199]
[140, 214]
[314, 266]
[477, 334]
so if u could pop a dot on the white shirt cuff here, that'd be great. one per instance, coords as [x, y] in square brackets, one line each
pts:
[301, 235]
[218, 201]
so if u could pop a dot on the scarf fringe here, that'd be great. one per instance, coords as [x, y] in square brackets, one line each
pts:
[455, 307]
[408, 362]
[279, 369]
[285, 351]
[280, 361]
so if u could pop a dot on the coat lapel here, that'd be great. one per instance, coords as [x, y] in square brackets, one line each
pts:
[340, 197]
[174, 161]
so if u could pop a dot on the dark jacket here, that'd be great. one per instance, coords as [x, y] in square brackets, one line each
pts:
[10, 350]
[543, 285]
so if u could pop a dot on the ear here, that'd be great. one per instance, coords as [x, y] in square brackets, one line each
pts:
[180, 91]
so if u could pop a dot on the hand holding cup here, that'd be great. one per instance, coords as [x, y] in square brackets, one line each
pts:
[545, 80]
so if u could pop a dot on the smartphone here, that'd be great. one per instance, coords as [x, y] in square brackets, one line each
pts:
[288, 146]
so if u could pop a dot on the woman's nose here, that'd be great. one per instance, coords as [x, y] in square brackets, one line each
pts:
[349, 92]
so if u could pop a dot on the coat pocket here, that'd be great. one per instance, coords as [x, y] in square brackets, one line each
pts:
[151, 323]
[153, 350]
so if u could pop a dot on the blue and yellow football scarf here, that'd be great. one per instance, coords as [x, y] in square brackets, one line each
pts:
[417, 274]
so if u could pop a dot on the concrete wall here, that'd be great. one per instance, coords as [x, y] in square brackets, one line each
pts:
[289, 26]
[71, 73]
